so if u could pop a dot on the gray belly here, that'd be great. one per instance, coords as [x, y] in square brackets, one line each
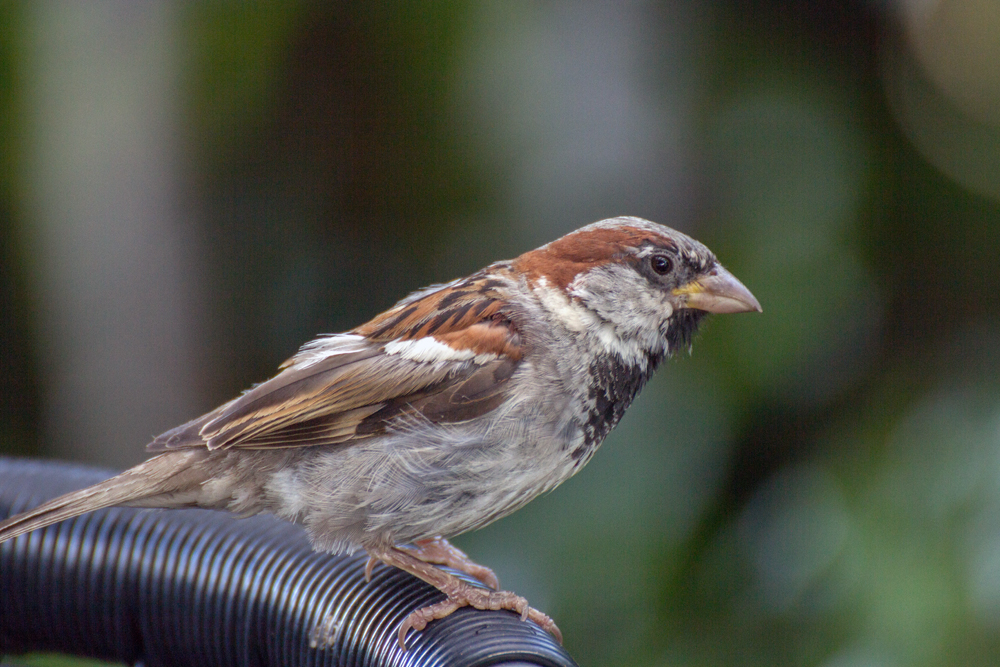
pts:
[408, 486]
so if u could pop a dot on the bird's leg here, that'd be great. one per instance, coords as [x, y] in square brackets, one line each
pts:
[459, 594]
[439, 551]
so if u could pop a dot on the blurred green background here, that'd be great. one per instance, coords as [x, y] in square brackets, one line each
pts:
[188, 191]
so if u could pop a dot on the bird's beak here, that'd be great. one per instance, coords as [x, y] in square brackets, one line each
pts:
[718, 291]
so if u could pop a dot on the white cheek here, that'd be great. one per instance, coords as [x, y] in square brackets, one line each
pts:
[627, 348]
[627, 315]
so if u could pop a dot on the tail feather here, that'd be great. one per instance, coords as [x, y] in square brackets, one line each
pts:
[155, 483]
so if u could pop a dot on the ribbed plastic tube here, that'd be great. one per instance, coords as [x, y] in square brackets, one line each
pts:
[194, 587]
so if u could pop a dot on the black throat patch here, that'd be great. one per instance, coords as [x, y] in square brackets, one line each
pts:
[614, 384]
[682, 328]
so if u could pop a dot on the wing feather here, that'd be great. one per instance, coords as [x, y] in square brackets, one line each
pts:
[346, 386]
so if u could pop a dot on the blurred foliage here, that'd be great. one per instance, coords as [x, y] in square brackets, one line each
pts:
[817, 485]
[11, 97]
[18, 371]
[236, 57]
[333, 165]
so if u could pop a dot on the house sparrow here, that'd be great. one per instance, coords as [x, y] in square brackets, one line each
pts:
[452, 409]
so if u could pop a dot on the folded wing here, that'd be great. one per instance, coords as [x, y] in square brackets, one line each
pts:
[446, 354]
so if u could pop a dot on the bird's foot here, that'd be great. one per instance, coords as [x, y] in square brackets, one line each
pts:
[439, 551]
[470, 596]
[459, 593]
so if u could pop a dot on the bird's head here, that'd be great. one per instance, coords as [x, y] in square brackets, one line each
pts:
[637, 285]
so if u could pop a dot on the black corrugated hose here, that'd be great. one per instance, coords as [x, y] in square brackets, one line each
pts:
[198, 588]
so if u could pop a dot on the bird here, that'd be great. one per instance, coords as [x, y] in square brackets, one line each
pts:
[453, 408]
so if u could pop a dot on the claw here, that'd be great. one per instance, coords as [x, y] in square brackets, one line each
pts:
[369, 567]
[459, 592]
[440, 551]
[418, 620]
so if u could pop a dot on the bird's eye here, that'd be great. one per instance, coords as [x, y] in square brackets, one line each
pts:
[661, 264]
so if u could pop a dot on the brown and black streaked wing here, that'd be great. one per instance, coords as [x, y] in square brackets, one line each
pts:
[342, 387]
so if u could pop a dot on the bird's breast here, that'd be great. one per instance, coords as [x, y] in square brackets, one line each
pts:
[612, 386]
